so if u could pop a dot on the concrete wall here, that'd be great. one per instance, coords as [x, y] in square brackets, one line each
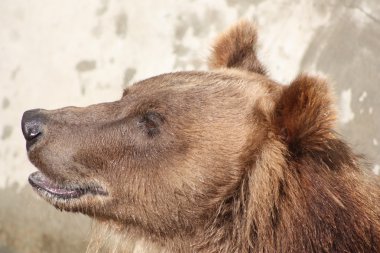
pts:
[55, 53]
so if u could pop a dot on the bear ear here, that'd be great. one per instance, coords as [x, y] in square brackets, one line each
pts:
[236, 48]
[306, 114]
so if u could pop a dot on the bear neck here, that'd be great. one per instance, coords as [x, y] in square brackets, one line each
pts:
[319, 201]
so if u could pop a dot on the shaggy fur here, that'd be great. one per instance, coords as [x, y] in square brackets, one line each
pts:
[219, 161]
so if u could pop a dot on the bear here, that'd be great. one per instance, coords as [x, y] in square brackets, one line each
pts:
[225, 160]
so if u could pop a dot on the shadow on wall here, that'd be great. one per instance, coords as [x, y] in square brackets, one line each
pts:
[62, 232]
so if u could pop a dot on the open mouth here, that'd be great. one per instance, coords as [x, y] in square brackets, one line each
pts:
[44, 185]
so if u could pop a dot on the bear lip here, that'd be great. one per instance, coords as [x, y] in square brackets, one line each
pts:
[43, 184]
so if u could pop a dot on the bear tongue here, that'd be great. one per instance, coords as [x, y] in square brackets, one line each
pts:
[39, 180]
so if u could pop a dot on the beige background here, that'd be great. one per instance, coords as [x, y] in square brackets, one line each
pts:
[55, 53]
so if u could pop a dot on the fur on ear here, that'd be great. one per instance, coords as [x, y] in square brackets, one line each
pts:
[306, 114]
[236, 48]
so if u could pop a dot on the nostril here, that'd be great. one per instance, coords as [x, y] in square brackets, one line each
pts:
[32, 124]
[31, 130]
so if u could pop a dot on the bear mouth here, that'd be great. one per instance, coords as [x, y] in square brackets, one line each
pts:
[47, 188]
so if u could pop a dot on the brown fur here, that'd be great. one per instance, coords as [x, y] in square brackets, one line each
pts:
[236, 48]
[219, 161]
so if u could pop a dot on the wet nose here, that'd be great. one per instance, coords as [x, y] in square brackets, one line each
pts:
[32, 126]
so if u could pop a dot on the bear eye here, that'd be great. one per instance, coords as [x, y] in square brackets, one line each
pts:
[150, 123]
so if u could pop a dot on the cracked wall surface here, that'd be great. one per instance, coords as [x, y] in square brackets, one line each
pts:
[58, 53]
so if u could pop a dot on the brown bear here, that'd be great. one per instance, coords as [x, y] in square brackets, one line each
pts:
[221, 161]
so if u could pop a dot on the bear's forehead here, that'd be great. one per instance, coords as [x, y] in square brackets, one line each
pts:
[221, 84]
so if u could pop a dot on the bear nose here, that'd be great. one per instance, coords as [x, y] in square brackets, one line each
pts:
[32, 126]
